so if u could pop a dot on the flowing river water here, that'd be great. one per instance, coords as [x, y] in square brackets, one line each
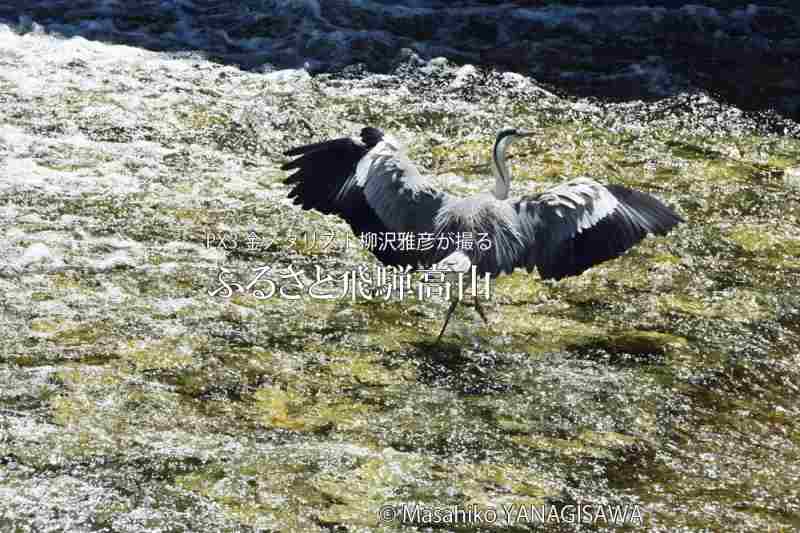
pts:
[136, 396]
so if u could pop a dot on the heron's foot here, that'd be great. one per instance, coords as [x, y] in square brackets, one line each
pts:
[479, 308]
[446, 320]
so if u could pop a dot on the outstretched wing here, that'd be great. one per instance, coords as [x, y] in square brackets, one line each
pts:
[370, 184]
[580, 223]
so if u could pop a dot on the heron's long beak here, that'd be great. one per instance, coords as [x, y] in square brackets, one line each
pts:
[525, 133]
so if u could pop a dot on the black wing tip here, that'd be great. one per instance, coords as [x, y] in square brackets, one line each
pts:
[371, 136]
[611, 236]
[661, 217]
[667, 223]
[297, 150]
[309, 148]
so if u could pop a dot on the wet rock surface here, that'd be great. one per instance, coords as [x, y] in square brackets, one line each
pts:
[747, 53]
[134, 397]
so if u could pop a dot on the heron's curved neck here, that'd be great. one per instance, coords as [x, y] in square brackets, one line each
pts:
[502, 175]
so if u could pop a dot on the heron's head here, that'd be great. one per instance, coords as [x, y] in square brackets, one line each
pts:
[505, 137]
[511, 133]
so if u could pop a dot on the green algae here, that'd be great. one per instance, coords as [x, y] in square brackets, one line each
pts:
[290, 409]
[374, 479]
[597, 445]
[464, 158]
[769, 241]
[540, 333]
[739, 305]
[667, 377]
[81, 334]
[159, 355]
[642, 342]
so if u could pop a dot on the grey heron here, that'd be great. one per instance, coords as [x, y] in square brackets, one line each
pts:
[370, 182]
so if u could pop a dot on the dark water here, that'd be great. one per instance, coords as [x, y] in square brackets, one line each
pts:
[746, 53]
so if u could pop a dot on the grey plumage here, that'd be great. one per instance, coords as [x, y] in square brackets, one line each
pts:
[371, 184]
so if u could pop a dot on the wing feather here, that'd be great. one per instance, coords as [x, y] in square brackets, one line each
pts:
[580, 223]
[394, 188]
[371, 185]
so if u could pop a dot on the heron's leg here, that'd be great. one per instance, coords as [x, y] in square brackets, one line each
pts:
[447, 319]
[480, 310]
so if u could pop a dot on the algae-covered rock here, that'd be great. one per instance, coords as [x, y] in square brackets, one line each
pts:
[152, 380]
[642, 342]
[609, 445]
